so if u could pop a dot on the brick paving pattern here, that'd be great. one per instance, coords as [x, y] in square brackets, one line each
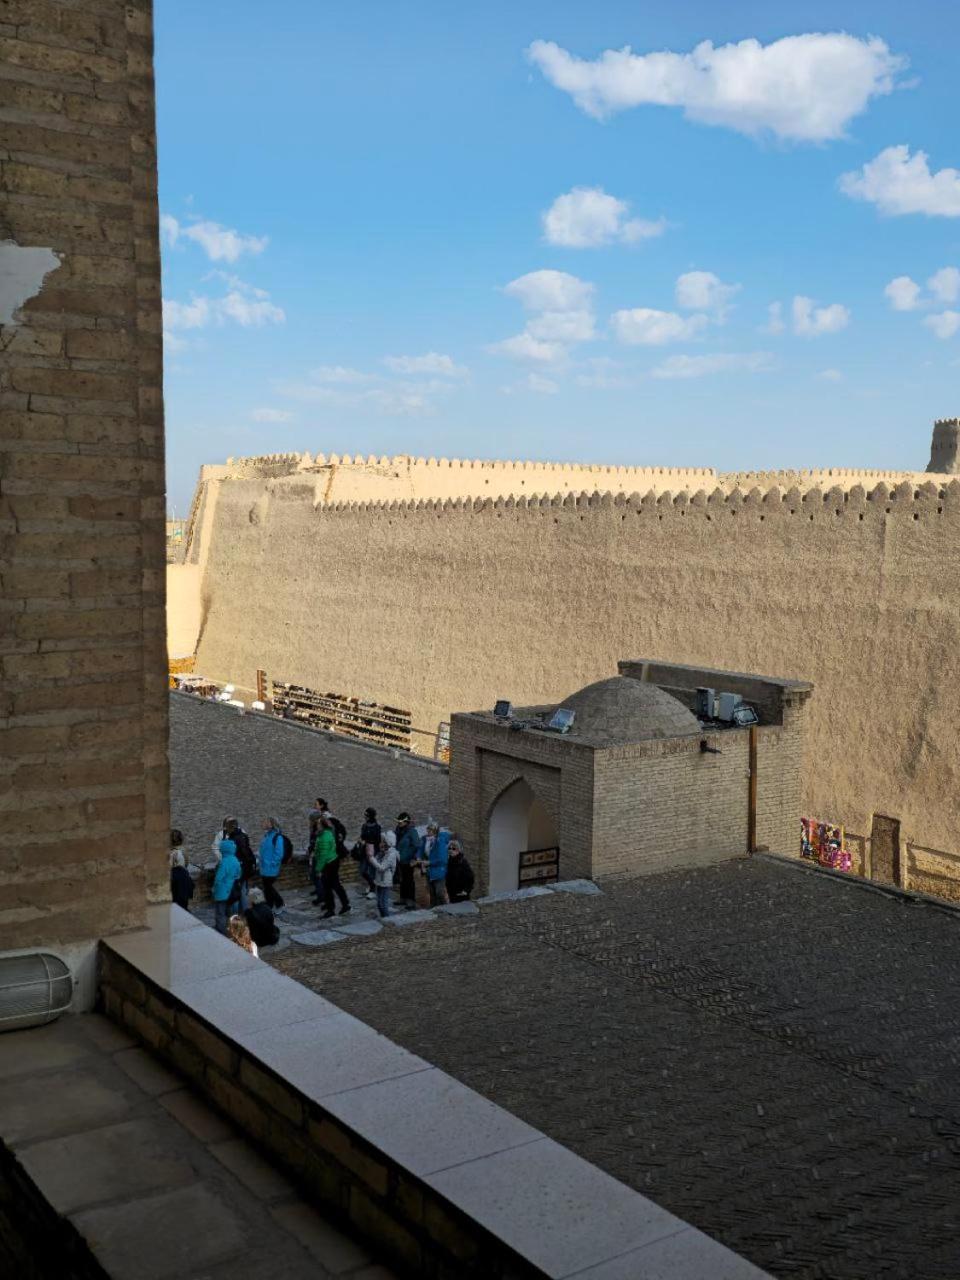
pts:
[766, 1052]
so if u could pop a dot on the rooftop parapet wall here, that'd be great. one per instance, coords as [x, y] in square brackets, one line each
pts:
[534, 597]
[342, 479]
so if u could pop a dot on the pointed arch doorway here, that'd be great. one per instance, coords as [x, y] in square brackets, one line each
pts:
[518, 821]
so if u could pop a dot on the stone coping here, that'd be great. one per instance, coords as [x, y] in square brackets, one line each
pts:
[444, 1181]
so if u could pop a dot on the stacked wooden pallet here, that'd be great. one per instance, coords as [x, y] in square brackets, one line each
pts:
[336, 713]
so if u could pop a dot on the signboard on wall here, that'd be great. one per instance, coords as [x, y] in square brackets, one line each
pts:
[539, 866]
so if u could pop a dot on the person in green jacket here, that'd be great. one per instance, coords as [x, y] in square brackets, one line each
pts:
[326, 871]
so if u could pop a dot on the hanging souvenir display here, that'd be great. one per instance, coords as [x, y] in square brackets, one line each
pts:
[824, 843]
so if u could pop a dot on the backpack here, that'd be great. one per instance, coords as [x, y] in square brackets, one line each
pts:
[287, 845]
[339, 835]
[248, 864]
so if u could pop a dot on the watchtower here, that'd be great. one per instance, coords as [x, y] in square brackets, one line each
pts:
[945, 447]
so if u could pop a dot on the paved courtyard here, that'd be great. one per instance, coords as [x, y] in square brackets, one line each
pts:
[251, 767]
[768, 1053]
[158, 1184]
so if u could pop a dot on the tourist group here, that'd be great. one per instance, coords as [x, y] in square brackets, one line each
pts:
[387, 861]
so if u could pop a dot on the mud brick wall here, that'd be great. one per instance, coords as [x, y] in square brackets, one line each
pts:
[531, 599]
[83, 771]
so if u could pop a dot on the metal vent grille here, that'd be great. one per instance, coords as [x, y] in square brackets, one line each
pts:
[34, 989]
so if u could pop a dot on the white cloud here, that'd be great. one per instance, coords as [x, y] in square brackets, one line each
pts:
[400, 402]
[195, 314]
[248, 311]
[945, 324]
[563, 326]
[945, 284]
[775, 322]
[541, 385]
[604, 374]
[338, 373]
[562, 315]
[221, 244]
[643, 326]
[169, 228]
[243, 305]
[722, 362]
[703, 291]
[433, 363]
[271, 415]
[587, 217]
[550, 291]
[810, 321]
[524, 346]
[830, 375]
[898, 183]
[904, 294]
[805, 87]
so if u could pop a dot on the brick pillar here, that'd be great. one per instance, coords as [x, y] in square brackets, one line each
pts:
[83, 769]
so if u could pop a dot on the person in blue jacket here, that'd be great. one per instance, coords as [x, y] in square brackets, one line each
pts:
[408, 854]
[437, 867]
[226, 885]
[270, 856]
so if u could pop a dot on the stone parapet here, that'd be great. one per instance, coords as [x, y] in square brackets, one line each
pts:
[447, 1184]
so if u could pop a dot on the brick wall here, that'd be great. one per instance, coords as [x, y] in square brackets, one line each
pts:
[485, 758]
[529, 600]
[83, 772]
[638, 808]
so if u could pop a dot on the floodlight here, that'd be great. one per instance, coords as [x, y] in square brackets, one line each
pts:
[561, 720]
[745, 715]
[503, 709]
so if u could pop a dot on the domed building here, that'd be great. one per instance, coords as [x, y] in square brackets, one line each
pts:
[621, 709]
[658, 767]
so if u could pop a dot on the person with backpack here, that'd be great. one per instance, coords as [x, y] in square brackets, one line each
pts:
[408, 855]
[248, 863]
[327, 872]
[316, 813]
[369, 842]
[339, 830]
[226, 885]
[437, 866]
[275, 850]
[260, 921]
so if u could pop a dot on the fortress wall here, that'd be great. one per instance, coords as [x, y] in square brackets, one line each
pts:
[445, 606]
[404, 478]
[825, 477]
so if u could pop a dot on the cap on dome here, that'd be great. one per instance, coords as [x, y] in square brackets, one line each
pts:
[622, 709]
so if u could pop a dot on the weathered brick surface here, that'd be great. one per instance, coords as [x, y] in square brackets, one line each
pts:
[766, 1051]
[81, 467]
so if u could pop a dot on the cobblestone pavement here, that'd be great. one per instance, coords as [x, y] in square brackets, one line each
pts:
[767, 1052]
[251, 767]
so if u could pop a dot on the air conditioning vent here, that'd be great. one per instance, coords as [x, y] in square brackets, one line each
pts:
[34, 988]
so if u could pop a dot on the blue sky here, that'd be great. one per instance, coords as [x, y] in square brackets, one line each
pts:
[387, 171]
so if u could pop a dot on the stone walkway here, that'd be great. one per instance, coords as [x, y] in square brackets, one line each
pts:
[157, 1183]
[301, 923]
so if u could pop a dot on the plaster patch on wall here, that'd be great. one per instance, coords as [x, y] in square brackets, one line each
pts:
[22, 273]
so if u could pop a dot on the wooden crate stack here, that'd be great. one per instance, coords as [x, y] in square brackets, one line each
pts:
[365, 721]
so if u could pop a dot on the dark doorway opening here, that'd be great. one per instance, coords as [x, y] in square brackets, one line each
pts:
[885, 850]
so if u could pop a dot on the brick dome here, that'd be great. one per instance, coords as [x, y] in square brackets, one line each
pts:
[622, 709]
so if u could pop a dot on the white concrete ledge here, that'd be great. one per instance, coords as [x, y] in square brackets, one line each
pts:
[445, 1181]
